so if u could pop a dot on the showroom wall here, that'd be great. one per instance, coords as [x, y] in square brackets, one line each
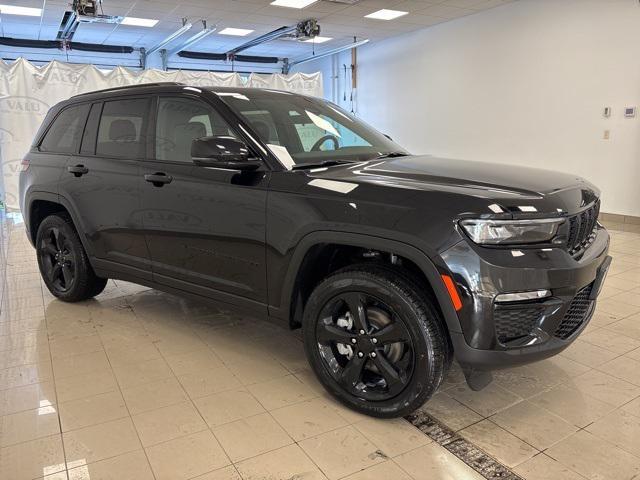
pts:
[525, 83]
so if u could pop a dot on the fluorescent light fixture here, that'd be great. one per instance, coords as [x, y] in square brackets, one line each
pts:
[15, 10]
[238, 32]
[386, 14]
[317, 39]
[139, 22]
[293, 3]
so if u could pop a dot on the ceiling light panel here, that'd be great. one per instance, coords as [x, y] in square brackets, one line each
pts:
[317, 39]
[293, 3]
[15, 10]
[238, 32]
[386, 14]
[139, 22]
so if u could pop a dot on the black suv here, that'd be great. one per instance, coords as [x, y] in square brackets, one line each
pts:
[288, 206]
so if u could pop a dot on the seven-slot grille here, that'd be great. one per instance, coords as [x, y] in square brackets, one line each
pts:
[581, 227]
[576, 314]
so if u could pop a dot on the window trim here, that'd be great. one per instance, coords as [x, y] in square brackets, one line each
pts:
[100, 104]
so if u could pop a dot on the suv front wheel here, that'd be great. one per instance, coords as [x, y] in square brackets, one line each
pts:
[375, 341]
[63, 263]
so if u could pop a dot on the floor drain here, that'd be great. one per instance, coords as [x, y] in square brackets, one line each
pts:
[481, 462]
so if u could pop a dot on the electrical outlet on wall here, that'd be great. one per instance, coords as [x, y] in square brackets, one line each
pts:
[607, 134]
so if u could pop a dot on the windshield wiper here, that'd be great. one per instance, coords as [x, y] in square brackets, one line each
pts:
[392, 155]
[326, 163]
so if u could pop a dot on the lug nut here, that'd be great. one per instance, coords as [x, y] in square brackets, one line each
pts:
[361, 332]
[373, 355]
[374, 340]
[360, 354]
[353, 340]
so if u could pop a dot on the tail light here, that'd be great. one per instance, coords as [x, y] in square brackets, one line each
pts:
[24, 165]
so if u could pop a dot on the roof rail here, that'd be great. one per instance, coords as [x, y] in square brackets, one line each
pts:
[127, 87]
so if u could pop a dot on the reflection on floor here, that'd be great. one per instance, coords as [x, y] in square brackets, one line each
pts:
[138, 384]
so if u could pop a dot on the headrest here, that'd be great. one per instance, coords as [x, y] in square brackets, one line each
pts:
[262, 129]
[122, 131]
[192, 129]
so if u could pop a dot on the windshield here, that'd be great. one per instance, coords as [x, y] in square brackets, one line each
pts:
[302, 130]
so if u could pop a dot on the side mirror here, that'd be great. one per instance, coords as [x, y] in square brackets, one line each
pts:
[222, 152]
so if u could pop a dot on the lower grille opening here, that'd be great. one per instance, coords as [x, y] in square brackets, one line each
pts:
[517, 321]
[576, 314]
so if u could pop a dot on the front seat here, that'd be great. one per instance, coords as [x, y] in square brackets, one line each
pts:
[185, 134]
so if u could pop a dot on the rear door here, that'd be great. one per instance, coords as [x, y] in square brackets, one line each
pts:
[101, 183]
[205, 226]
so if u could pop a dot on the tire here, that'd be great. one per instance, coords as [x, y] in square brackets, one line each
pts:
[63, 262]
[389, 297]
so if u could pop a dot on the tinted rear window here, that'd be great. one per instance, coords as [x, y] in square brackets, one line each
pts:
[66, 130]
[123, 126]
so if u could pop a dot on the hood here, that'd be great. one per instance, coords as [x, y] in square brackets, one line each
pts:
[506, 185]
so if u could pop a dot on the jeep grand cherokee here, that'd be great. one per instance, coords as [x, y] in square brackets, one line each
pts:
[393, 264]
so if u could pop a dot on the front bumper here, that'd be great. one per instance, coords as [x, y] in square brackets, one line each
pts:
[494, 336]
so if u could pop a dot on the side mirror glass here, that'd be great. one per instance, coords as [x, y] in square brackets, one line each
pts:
[222, 152]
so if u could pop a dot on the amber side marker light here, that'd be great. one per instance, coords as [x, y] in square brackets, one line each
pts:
[453, 292]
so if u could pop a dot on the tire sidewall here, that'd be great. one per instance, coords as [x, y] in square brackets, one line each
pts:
[425, 372]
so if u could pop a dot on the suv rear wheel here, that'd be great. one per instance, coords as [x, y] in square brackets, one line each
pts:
[63, 263]
[375, 341]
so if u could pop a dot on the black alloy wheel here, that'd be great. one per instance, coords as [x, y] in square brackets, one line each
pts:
[63, 262]
[364, 346]
[374, 340]
[57, 259]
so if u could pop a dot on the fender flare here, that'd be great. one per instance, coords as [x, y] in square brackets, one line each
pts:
[77, 222]
[405, 250]
[31, 197]
[62, 201]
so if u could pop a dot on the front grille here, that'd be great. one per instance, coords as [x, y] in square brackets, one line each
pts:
[582, 229]
[515, 322]
[576, 314]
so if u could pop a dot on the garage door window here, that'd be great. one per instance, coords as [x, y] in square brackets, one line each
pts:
[122, 129]
[64, 135]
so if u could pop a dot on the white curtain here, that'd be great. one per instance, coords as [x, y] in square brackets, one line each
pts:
[27, 92]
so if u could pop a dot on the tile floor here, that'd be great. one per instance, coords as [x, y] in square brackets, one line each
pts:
[138, 384]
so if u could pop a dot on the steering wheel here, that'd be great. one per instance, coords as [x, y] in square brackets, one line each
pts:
[318, 144]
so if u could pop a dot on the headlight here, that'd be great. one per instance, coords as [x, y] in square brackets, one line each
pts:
[511, 232]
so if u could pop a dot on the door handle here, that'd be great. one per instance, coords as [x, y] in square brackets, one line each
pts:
[158, 179]
[78, 170]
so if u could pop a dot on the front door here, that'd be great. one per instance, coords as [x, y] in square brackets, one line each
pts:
[205, 227]
[102, 184]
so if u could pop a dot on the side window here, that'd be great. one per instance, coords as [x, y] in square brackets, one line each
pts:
[122, 130]
[64, 135]
[182, 120]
